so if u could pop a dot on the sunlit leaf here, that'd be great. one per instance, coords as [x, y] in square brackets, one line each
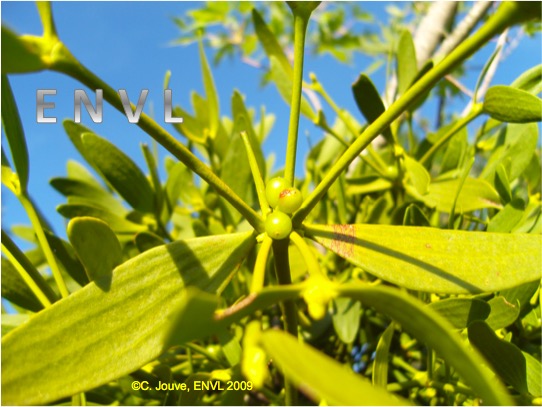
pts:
[97, 248]
[67, 349]
[475, 194]
[13, 130]
[418, 320]
[326, 383]
[435, 260]
[28, 50]
[460, 312]
[512, 105]
[406, 61]
[504, 357]
[123, 174]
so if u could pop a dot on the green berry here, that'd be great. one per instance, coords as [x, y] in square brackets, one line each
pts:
[278, 225]
[273, 189]
[290, 200]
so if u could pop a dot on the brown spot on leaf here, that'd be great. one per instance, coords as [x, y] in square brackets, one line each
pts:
[344, 237]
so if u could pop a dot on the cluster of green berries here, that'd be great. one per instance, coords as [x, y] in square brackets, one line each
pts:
[284, 200]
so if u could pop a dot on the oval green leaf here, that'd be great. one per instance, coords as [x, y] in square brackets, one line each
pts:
[434, 260]
[512, 105]
[123, 174]
[66, 348]
[97, 247]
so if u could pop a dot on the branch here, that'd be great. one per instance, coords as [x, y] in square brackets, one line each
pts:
[464, 28]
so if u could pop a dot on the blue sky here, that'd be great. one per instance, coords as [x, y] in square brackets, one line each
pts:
[127, 44]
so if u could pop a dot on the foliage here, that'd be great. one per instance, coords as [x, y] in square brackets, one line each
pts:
[397, 254]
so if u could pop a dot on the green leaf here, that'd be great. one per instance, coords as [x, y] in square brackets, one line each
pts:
[417, 175]
[346, 318]
[97, 247]
[475, 194]
[15, 290]
[415, 217]
[505, 358]
[285, 85]
[210, 93]
[9, 178]
[381, 362]
[455, 152]
[503, 313]
[512, 105]
[67, 349]
[68, 261]
[154, 176]
[328, 381]
[147, 240]
[27, 48]
[88, 193]
[434, 260]
[13, 130]
[26, 270]
[502, 185]
[530, 80]
[75, 132]
[507, 219]
[431, 328]
[367, 184]
[460, 312]
[407, 67]
[123, 174]
[115, 222]
[515, 147]
[78, 171]
[534, 376]
[243, 122]
[369, 102]
[270, 44]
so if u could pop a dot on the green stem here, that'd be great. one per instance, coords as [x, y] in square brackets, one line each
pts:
[68, 65]
[310, 259]
[44, 244]
[300, 29]
[46, 17]
[474, 113]
[496, 23]
[318, 87]
[258, 276]
[289, 311]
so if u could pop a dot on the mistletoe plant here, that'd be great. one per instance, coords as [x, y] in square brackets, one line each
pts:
[226, 273]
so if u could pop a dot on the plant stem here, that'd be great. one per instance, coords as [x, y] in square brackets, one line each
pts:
[310, 259]
[289, 311]
[258, 276]
[300, 29]
[68, 65]
[44, 244]
[504, 16]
